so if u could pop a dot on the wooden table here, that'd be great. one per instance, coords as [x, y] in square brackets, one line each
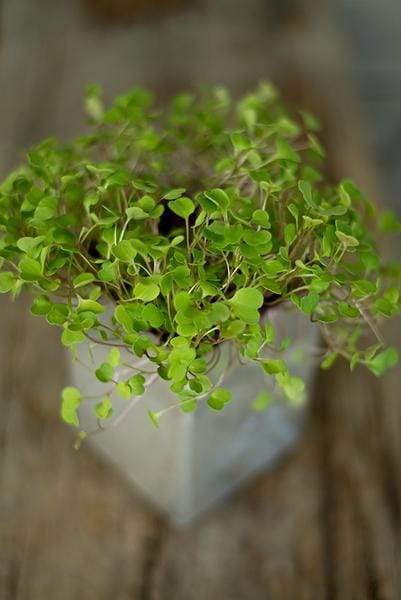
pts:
[324, 524]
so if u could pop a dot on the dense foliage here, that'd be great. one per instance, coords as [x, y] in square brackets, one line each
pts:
[192, 220]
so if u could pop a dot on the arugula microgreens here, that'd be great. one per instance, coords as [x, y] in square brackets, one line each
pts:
[192, 220]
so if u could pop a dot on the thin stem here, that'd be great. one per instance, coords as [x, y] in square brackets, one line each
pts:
[103, 343]
[131, 405]
[220, 380]
[187, 236]
[371, 323]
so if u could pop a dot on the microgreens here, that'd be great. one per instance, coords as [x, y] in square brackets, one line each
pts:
[192, 221]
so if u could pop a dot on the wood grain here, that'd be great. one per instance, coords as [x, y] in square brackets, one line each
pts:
[123, 12]
[326, 522]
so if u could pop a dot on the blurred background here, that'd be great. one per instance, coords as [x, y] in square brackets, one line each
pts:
[326, 522]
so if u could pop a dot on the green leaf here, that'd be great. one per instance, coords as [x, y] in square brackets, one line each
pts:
[348, 241]
[57, 314]
[174, 194]
[123, 317]
[311, 123]
[219, 398]
[93, 103]
[41, 305]
[320, 284]
[389, 223]
[346, 310]
[200, 218]
[104, 409]
[239, 141]
[309, 302]
[181, 276]
[114, 357]
[154, 417]
[272, 366]
[176, 241]
[219, 198]
[147, 204]
[285, 343]
[124, 390]
[256, 238]
[270, 334]
[245, 304]
[293, 387]
[316, 146]
[63, 237]
[46, 209]
[219, 312]
[30, 269]
[285, 152]
[392, 295]
[124, 251]
[262, 401]
[87, 305]
[233, 329]
[189, 405]
[290, 234]
[7, 281]
[249, 116]
[295, 213]
[328, 360]
[83, 279]
[137, 385]
[188, 329]
[137, 213]
[345, 197]
[198, 366]
[70, 337]
[153, 315]
[183, 207]
[141, 344]
[382, 362]
[355, 359]
[306, 190]
[362, 288]
[105, 372]
[261, 218]
[71, 399]
[383, 307]
[107, 272]
[182, 300]
[147, 292]
[310, 223]
[31, 245]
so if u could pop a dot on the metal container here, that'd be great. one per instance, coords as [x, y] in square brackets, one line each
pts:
[195, 459]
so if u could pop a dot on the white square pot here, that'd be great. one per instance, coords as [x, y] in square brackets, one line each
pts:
[196, 459]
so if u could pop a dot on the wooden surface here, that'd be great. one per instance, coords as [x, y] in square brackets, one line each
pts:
[127, 11]
[324, 524]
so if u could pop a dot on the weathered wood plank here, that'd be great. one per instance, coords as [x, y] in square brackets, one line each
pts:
[262, 544]
[70, 527]
[326, 522]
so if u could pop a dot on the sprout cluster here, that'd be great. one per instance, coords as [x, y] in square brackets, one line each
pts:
[192, 220]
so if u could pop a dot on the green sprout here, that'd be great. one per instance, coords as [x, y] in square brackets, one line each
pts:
[192, 220]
